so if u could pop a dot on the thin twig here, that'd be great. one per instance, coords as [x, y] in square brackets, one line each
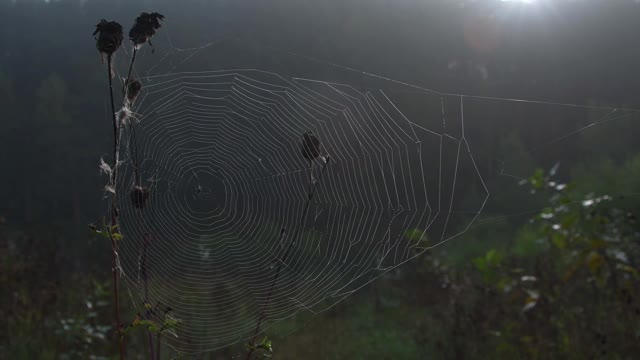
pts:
[158, 346]
[143, 270]
[303, 216]
[133, 152]
[114, 211]
[133, 59]
[133, 146]
[134, 155]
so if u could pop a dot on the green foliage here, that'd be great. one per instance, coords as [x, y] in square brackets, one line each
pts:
[107, 232]
[564, 287]
[417, 235]
[45, 319]
[489, 265]
[83, 330]
[149, 320]
[584, 256]
[261, 350]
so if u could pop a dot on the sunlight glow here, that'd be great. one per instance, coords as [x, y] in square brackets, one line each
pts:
[521, 1]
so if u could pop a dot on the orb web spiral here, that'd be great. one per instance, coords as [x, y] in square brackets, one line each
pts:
[240, 228]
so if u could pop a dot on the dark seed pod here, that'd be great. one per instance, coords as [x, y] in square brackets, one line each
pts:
[145, 27]
[109, 36]
[310, 146]
[139, 196]
[133, 89]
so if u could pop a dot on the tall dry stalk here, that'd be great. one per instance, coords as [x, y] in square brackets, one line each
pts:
[311, 150]
[108, 40]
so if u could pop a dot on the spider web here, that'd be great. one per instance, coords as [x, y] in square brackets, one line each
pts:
[241, 232]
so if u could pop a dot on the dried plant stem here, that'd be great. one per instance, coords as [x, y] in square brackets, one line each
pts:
[145, 281]
[133, 60]
[158, 346]
[151, 353]
[114, 211]
[125, 91]
[134, 156]
[303, 216]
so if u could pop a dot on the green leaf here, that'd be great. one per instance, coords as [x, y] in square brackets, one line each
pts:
[594, 261]
[480, 263]
[537, 180]
[598, 244]
[416, 235]
[526, 339]
[150, 324]
[629, 269]
[94, 229]
[494, 257]
[558, 240]
[169, 323]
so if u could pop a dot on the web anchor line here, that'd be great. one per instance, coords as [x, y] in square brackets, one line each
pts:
[428, 90]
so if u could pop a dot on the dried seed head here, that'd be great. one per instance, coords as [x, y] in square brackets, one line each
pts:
[109, 36]
[145, 27]
[133, 89]
[310, 146]
[139, 196]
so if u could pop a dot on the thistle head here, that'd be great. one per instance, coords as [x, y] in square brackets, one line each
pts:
[139, 196]
[145, 27]
[108, 35]
[310, 146]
